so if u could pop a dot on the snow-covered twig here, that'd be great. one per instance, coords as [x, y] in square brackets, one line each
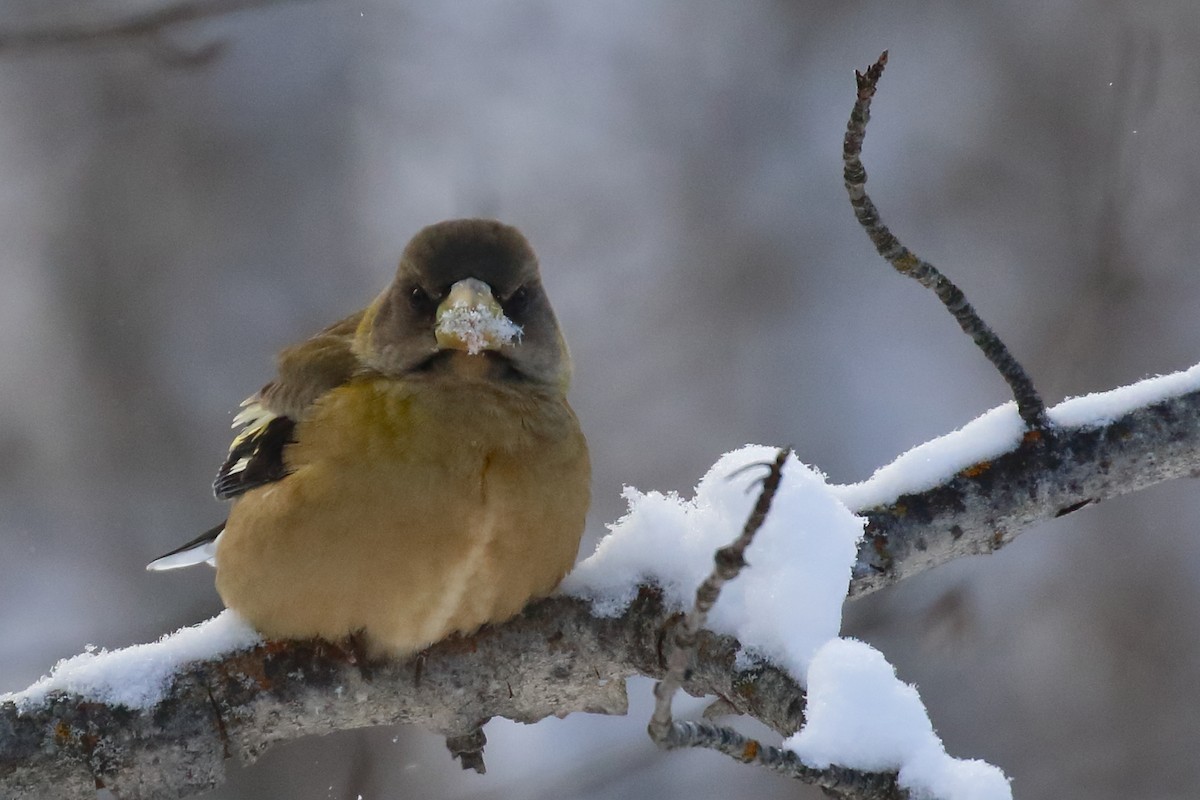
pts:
[669, 734]
[834, 780]
[975, 490]
[727, 563]
[1030, 404]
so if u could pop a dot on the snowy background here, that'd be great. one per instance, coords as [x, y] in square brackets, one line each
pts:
[164, 230]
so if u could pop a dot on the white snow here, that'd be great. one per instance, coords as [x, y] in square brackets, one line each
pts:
[478, 326]
[785, 605]
[1099, 408]
[932, 462]
[999, 430]
[138, 676]
[860, 715]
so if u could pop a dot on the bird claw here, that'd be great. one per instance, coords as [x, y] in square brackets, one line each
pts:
[468, 748]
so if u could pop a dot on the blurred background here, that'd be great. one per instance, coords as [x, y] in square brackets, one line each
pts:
[176, 208]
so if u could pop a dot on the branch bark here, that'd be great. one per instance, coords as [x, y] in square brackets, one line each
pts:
[554, 659]
[558, 657]
[986, 505]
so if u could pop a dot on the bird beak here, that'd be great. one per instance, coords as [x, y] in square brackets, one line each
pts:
[471, 319]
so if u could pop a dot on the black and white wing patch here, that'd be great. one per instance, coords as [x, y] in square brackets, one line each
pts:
[256, 455]
[255, 458]
[202, 548]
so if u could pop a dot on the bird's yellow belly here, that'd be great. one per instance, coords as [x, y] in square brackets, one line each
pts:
[459, 506]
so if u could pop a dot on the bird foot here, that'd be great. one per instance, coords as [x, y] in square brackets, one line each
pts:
[468, 748]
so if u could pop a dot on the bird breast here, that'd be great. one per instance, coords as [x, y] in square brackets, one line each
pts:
[412, 510]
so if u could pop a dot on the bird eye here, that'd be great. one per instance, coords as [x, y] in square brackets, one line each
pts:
[517, 301]
[420, 299]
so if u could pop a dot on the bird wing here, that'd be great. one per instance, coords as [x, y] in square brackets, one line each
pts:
[268, 417]
[305, 372]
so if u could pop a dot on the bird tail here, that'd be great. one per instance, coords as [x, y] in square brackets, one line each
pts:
[202, 548]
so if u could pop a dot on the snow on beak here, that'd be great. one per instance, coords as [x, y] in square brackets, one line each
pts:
[471, 319]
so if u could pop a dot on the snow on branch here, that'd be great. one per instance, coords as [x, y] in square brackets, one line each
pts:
[975, 490]
[862, 721]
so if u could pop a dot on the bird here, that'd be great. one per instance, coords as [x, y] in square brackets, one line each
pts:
[414, 470]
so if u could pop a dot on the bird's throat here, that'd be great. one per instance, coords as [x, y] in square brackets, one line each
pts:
[485, 366]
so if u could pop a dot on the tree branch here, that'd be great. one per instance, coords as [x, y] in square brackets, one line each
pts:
[554, 659]
[987, 504]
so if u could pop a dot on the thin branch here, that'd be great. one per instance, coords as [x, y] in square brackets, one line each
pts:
[147, 24]
[727, 563]
[1029, 403]
[835, 781]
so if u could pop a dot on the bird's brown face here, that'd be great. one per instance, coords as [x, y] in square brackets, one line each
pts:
[466, 289]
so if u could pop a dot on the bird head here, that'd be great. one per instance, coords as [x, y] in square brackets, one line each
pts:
[467, 296]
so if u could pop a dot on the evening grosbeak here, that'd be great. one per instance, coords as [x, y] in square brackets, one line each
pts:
[413, 470]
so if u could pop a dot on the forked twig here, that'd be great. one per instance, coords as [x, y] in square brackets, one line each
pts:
[1029, 403]
[670, 734]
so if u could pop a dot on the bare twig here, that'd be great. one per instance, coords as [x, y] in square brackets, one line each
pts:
[727, 563]
[1029, 403]
[836, 781]
[146, 25]
[671, 734]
